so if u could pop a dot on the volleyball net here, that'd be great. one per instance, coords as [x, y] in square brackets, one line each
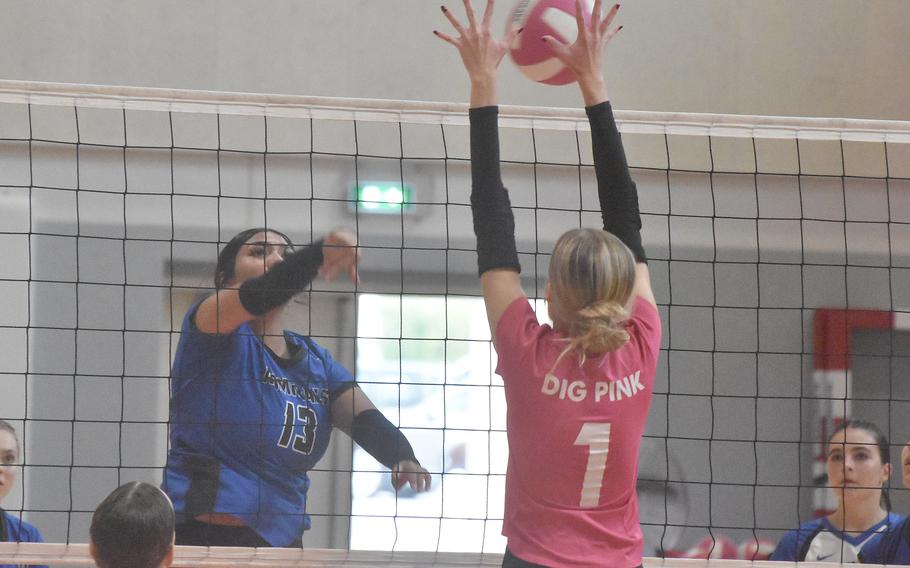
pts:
[779, 251]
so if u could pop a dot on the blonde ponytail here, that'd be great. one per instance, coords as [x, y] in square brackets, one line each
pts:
[601, 328]
[597, 330]
[591, 278]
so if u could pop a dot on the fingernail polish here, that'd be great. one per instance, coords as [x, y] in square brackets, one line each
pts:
[443, 8]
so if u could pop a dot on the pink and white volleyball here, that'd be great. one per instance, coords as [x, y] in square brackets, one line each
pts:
[541, 18]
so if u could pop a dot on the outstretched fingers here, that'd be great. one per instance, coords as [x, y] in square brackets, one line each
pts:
[469, 10]
[488, 14]
[481, 51]
[560, 49]
[446, 37]
[608, 19]
[580, 16]
[452, 19]
[611, 33]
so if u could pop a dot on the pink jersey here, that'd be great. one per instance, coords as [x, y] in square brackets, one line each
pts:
[574, 437]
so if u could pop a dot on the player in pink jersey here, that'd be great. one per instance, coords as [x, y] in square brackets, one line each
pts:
[578, 393]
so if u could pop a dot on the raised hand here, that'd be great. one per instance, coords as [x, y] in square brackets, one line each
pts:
[340, 254]
[480, 52]
[585, 56]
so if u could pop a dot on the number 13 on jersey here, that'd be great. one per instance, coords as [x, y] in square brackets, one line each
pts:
[596, 436]
[303, 444]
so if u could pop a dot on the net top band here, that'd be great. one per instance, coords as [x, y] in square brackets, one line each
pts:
[416, 112]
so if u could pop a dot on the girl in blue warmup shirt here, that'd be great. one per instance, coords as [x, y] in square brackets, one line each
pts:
[253, 405]
[858, 467]
[12, 529]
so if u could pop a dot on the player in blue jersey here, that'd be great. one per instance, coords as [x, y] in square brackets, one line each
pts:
[859, 465]
[892, 547]
[12, 529]
[253, 405]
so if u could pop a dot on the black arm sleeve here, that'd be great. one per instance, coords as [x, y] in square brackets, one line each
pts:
[494, 224]
[381, 439]
[615, 188]
[283, 281]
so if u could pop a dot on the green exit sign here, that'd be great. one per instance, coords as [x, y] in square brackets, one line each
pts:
[383, 197]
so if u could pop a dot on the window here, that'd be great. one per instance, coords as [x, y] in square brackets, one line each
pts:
[428, 364]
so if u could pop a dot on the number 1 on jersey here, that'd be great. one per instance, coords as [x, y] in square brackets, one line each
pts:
[595, 435]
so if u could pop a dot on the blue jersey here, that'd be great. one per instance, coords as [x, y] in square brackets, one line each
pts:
[892, 547]
[16, 530]
[246, 426]
[819, 541]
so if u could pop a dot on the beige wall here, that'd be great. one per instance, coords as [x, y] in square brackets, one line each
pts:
[842, 58]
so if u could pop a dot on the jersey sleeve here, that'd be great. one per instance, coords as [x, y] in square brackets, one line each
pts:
[787, 547]
[199, 355]
[196, 344]
[645, 328]
[338, 378]
[518, 338]
[33, 534]
[18, 530]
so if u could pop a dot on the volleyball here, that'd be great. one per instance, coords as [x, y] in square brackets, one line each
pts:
[539, 18]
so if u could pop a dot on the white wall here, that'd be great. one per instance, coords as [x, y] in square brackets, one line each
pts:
[777, 57]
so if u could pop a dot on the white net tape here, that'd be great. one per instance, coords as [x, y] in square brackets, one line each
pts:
[291, 106]
[186, 556]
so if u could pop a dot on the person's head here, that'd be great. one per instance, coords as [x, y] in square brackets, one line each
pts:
[133, 528]
[9, 458]
[905, 464]
[859, 461]
[249, 254]
[591, 278]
